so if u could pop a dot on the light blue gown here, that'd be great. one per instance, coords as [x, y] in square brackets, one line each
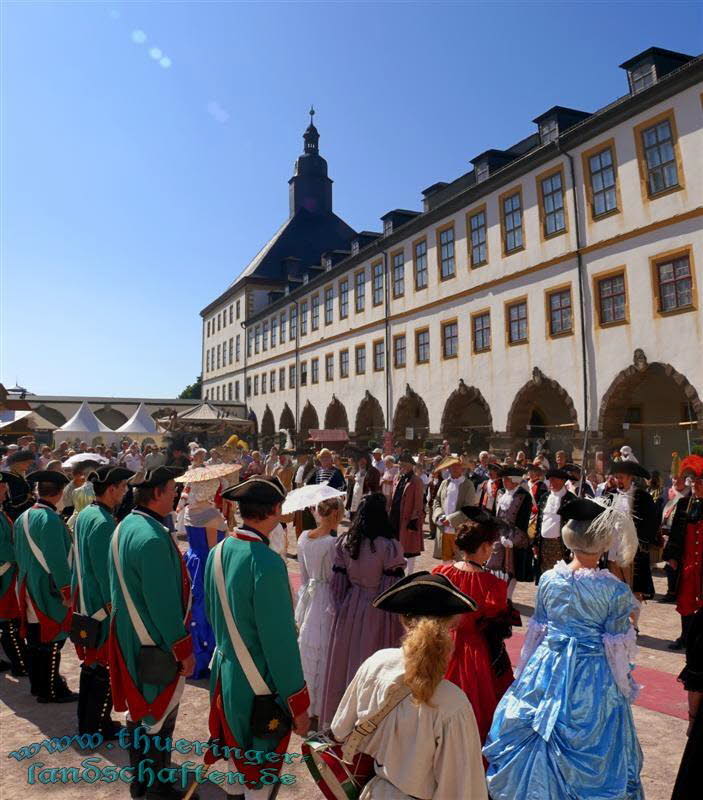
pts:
[564, 729]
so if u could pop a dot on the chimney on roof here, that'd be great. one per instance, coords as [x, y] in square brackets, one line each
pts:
[647, 67]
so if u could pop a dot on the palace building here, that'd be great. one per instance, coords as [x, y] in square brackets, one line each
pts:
[549, 293]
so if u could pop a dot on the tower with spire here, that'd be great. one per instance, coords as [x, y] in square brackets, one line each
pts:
[310, 188]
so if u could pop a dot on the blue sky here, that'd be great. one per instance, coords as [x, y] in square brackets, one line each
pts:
[146, 147]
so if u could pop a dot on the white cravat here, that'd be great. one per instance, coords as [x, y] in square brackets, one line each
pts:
[452, 495]
[622, 501]
[506, 499]
[551, 521]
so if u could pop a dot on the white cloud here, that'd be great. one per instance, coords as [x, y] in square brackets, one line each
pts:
[165, 62]
[138, 37]
[155, 53]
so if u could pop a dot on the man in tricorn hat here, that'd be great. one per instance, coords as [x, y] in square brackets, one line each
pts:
[19, 495]
[43, 549]
[151, 650]
[455, 492]
[256, 639]
[91, 588]
[548, 544]
[10, 618]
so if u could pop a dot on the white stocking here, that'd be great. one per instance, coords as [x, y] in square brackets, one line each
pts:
[410, 565]
[511, 588]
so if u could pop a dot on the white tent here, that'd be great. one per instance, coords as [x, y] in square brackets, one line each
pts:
[141, 425]
[86, 426]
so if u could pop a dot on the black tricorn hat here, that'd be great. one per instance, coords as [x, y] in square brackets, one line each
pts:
[16, 483]
[110, 474]
[155, 477]
[477, 514]
[562, 474]
[48, 476]
[406, 458]
[512, 472]
[257, 489]
[19, 457]
[581, 509]
[628, 468]
[424, 595]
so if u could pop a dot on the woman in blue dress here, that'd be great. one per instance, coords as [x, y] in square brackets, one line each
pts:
[205, 527]
[564, 730]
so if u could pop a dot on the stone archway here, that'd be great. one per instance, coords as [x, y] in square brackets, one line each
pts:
[542, 409]
[370, 423]
[467, 422]
[308, 420]
[111, 417]
[287, 421]
[268, 429]
[51, 415]
[336, 416]
[644, 407]
[411, 417]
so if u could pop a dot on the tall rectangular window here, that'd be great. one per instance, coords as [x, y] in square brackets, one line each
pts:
[446, 253]
[291, 376]
[344, 299]
[450, 339]
[248, 387]
[293, 323]
[512, 223]
[315, 312]
[399, 274]
[560, 319]
[238, 308]
[315, 370]
[329, 305]
[377, 284]
[329, 367]
[399, 350]
[238, 348]
[274, 331]
[517, 322]
[231, 320]
[379, 355]
[218, 325]
[602, 177]
[660, 157]
[481, 332]
[420, 264]
[612, 299]
[236, 390]
[304, 318]
[257, 338]
[218, 356]
[675, 283]
[231, 349]
[359, 290]
[343, 363]
[303, 373]
[207, 360]
[422, 346]
[272, 380]
[478, 233]
[264, 377]
[360, 357]
[552, 203]
[208, 327]
[282, 379]
[283, 327]
[265, 336]
[256, 386]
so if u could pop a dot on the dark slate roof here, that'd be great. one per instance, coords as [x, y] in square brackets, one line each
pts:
[304, 236]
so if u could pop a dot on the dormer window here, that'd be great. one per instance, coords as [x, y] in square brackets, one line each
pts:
[327, 263]
[286, 291]
[482, 172]
[642, 77]
[354, 247]
[388, 227]
[306, 278]
[548, 131]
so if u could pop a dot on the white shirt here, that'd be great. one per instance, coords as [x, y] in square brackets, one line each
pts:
[551, 521]
[452, 495]
[358, 491]
[133, 462]
[506, 499]
[379, 465]
[299, 475]
[622, 501]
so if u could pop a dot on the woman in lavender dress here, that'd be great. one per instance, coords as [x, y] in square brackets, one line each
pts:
[368, 560]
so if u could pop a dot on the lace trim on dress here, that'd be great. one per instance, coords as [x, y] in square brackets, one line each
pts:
[533, 638]
[561, 568]
[621, 650]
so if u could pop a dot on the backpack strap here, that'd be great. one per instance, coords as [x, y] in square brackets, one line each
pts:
[366, 727]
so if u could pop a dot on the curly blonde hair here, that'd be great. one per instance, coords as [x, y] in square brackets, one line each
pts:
[427, 646]
[328, 507]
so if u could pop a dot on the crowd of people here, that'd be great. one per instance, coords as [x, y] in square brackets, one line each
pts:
[89, 552]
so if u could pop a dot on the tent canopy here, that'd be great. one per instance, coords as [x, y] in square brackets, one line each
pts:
[84, 424]
[140, 422]
[25, 419]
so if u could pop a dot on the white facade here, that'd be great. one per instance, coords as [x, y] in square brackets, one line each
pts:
[644, 368]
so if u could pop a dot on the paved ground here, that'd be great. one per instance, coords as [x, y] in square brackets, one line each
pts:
[659, 714]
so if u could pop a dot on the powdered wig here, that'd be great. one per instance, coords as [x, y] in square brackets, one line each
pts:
[612, 527]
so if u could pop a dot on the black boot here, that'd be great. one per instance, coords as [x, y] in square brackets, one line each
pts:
[162, 790]
[14, 645]
[34, 658]
[680, 643]
[57, 690]
[108, 727]
[88, 700]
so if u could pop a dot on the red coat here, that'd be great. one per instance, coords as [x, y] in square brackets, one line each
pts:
[411, 510]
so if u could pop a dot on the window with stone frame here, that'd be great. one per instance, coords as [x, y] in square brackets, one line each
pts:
[377, 283]
[360, 359]
[399, 274]
[399, 353]
[660, 157]
[560, 312]
[329, 305]
[675, 283]
[360, 291]
[517, 322]
[612, 299]
[422, 346]
[481, 332]
[420, 264]
[446, 253]
[379, 356]
[512, 223]
[344, 298]
[603, 178]
[479, 240]
[450, 339]
[344, 363]
[329, 367]
[552, 202]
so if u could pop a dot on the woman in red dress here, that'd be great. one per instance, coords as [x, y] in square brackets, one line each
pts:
[480, 664]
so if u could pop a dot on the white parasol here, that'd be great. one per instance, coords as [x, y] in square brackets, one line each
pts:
[309, 497]
[80, 458]
[208, 473]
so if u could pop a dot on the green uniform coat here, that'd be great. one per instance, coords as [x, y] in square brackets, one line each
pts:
[46, 590]
[9, 607]
[260, 599]
[160, 589]
[92, 532]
